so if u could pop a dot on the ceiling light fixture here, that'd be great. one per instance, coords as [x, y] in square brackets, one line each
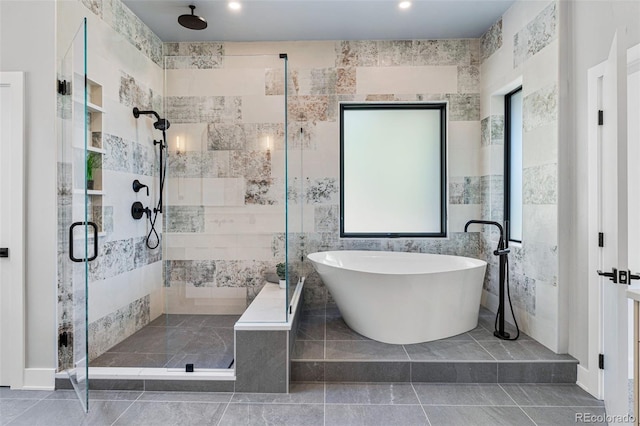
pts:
[235, 5]
[404, 4]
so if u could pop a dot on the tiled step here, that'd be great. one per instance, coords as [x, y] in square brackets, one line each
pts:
[326, 349]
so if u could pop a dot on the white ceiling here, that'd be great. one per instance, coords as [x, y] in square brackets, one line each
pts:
[276, 20]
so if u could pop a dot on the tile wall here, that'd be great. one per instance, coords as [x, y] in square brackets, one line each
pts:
[125, 281]
[236, 236]
[521, 49]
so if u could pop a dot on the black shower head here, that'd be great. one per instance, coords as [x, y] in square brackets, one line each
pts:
[160, 124]
[192, 22]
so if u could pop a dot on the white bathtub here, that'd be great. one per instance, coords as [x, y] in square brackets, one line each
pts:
[403, 298]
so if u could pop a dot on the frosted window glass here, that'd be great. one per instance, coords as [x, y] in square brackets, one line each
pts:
[392, 170]
[515, 170]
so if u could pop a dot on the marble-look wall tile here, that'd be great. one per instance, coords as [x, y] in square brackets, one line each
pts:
[124, 22]
[184, 218]
[194, 55]
[118, 154]
[327, 218]
[444, 52]
[309, 108]
[492, 130]
[540, 184]
[274, 82]
[346, 80]
[491, 41]
[193, 273]
[204, 109]
[537, 35]
[323, 81]
[363, 53]
[260, 192]
[143, 255]
[321, 191]
[117, 326]
[107, 218]
[523, 292]
[540, 108]
[144, 159]
[94, 6]
[250, 164]
[464, 107]
[469, 79]
[242, 273]
[135, 94]
[223, 136]
[116, 257]
[465, 190]
[395, 53]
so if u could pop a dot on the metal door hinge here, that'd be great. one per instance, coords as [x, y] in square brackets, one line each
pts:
[64, 87]
[4, 252]
[600, 117]
[600, 239]
[601, 361]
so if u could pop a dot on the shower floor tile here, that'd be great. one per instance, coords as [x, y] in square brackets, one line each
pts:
[172, 341]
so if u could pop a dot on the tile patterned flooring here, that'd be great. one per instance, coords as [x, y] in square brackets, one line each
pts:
[174, 340]
[311, 404]
[323, 335]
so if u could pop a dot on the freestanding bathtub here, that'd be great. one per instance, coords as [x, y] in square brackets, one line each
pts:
[403, 298]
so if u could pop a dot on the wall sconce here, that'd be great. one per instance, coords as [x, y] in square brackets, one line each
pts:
[268, 142]
[178, 145]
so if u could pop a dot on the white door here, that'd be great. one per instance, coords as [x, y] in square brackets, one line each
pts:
[11, 228]
[616, 225]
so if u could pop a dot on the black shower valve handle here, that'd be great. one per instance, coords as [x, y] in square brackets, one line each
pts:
[137, 186]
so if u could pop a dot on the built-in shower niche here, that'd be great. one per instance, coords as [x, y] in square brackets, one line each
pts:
[87, 165]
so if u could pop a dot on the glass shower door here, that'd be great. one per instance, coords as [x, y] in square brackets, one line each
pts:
[77, 236]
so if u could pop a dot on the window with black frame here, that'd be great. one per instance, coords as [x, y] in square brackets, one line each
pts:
[393, 170]
[513, 164]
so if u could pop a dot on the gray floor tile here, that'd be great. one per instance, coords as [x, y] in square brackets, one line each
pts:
[552, 395]
[462, 394]
[477, 416]
[299, 393]
[98, 395]
[12, 408]
[384, 415]
[168, 320]
[311, 327]
[369, 371]
[488, 322]
[227, 321]
[454, 372]
[172, 413]
[537, 372]
[273, 414]
[51, 412]
[447, 351]
[565, 416]
[522, 351]
[213, 358]
[308, 349]
[207, 340]
[221, 397]
[129, 359]
[364, 350]
[370, 393]
[6, 393]
[155, 340]
[337, 329]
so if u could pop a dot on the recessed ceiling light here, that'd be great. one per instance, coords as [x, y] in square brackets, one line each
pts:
[404, 4]
[235, 5]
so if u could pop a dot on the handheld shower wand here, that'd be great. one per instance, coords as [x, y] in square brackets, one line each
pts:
[501, 251]
[161, 124]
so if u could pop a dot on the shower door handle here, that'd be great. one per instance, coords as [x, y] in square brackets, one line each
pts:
[95, 242]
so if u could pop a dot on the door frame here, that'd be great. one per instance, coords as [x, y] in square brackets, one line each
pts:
[592, 378]
[12, 324]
